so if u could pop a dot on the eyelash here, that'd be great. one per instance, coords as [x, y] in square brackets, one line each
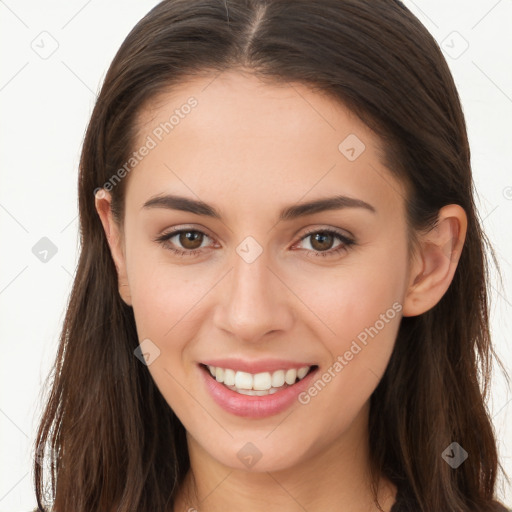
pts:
[343, 247]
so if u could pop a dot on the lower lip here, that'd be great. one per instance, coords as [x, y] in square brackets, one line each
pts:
[254, 406]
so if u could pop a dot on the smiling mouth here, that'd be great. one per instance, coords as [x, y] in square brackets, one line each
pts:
[258, 384]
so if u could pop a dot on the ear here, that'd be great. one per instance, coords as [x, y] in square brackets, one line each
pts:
[434, 266]
[113, 232]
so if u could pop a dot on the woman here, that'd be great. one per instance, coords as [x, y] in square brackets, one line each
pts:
[281, 299]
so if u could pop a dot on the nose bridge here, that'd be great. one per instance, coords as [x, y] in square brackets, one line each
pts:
[253, 302]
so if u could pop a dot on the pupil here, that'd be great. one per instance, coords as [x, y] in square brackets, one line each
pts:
[189, 239]
[321, 237]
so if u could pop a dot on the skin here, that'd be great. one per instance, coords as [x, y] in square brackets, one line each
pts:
[251, 149]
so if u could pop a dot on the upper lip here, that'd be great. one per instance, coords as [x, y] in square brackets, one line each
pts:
[256, 366]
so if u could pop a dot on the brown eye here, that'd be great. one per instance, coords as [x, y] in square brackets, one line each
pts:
[321, 241]
[183, 242]
[191, 239]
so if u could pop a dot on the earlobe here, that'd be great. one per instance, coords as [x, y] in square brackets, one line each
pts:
[103, 201]
[434, 267]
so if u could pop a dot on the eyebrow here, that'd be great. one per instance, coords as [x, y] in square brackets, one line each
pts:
[174, 202]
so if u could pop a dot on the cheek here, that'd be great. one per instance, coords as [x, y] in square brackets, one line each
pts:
[168, 316]
[347, 299]
[356, 311]
[164, 301]
[163, 295]
[363, 317]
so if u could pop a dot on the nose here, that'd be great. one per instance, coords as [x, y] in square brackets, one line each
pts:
[253, 301]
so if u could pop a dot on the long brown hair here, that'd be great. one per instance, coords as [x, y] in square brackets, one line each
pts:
[113, 442]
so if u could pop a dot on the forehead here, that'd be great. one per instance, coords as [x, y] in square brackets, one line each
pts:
[241, 105]
[232, 133]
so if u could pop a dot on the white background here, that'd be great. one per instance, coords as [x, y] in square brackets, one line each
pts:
[46, 104]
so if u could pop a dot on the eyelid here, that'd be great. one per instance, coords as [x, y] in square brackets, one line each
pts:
[178, 229]
[345, 237]
[343, 234]
[169, 233]
[317, 228]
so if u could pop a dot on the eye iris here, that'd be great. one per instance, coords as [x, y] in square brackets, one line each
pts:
[187, 237]
[321, 237]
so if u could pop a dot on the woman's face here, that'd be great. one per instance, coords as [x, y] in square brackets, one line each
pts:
[263, 284]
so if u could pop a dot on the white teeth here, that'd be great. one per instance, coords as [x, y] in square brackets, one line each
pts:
[278, 379]
[229, 377]
[243, 380]
[257, 392]
[301, 372]
[290, 376]
[263, 383]
[252, 392]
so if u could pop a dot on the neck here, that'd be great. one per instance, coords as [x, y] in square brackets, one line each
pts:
[339, 475]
